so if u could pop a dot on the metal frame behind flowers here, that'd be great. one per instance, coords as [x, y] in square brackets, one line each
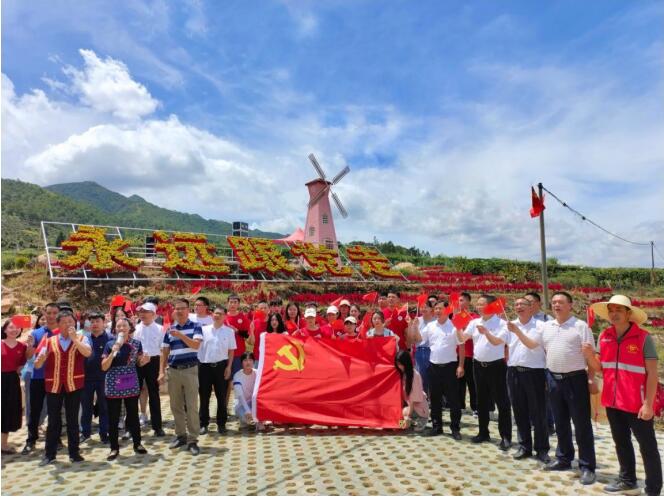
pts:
[152, 261]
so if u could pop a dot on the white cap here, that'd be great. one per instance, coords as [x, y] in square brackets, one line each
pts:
[344, 302]
[332, 310]
[310, 313]
[350, 319]
[148, 306]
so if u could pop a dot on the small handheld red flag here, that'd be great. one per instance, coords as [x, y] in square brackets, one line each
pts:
[370, 297]
[291, 326]
[590, 316]
[22, 321]
[422, 300]
[166, 322]
[338, 301]
[196, 289]
[337, 325]
[461, 320]
[537, 203]
[495, 307]
[117, 300]
[454, 300]
[403, 308]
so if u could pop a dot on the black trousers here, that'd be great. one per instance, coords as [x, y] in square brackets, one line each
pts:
[570, 400]
[54, 403]
[468, 379]
[132, 423]
[149, 374]
[443, 381]
[527, 393]
[491, 383]
[212, 376]
[37, 397]
[623, 424]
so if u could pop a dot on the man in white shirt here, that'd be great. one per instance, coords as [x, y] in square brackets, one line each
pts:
[489, 334]
[525, 381]
[201, 314]
[445, 368]
[215, 358]
[151, 336]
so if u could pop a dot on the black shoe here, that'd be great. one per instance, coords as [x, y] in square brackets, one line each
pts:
[557, 466]
[505, 444]
[478, 439]
[104, 440]
[522, 453]
[139, 449]
[587, 477]
[434, 431]
[159, 433]
[193, 448]
[203, 430]
[29, 447]
[543, 457]
[113, 455]
[222, 430]
[456, 435]
[47, 460]
[83, 439]
[623, 488]
[178, 442]
[76, 458]
[60, 446]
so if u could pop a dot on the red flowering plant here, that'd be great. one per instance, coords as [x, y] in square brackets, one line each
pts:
[189, 253]
[371, 261]
[94, 252]
[259, 255]
[320, 260]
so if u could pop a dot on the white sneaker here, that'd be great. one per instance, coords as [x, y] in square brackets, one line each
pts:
[142, 420]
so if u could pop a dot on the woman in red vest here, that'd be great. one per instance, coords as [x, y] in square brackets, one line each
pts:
[628, 360]
[63, 357]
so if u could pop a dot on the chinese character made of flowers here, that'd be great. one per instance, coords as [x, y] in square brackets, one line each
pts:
[190, 254]
[259, 254]
[94, 252]
[372, 262]
[320, 259]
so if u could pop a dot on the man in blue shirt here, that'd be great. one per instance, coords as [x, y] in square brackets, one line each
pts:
[37, 388]
[179, 352]
[94, 380]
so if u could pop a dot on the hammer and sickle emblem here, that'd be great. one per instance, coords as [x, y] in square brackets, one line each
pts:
[295, 362]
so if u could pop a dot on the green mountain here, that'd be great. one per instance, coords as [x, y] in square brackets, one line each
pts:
[24, 205]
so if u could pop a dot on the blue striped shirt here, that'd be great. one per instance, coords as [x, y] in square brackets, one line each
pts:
[179, 352]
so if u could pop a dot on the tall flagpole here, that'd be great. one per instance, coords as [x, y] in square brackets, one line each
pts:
[545, 278]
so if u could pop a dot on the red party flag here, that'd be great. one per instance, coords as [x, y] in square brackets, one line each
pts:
[328, 382]
[117, 300]
[538, 203]
[590, 316]
[461, 320]
[21, 321]
[370, 297]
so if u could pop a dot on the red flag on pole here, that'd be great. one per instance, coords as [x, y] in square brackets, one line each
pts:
[538, 203]
[338, 301]
[454, 300]
[495, 307]
[422, 300]
[590, 316]
[370, 297]
[196, 289]
[461, 320]
[22, 321]
[328, 382]
[117, 300]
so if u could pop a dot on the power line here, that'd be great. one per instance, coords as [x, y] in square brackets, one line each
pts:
[585, 218]
[658, 252]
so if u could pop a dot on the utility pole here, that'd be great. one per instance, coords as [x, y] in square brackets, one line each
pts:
[545, 278]
[652, 262]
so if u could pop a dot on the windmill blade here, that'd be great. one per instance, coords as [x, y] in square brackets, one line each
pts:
[342, 210]
[340, 175]
[314, 162]
[320, 195]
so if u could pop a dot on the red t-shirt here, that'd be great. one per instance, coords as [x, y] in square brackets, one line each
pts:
[260, 325]
[13, 358]
[468, 345]
[398, 325]
[324, 331]
[241, 323]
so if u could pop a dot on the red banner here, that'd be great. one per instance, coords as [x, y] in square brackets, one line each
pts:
[328, 382]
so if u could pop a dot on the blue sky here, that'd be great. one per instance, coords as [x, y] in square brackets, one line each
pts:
[446, 112]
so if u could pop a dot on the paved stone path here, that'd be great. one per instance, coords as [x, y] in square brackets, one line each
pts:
[304, 461]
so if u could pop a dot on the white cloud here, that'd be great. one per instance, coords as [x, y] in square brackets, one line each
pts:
[106, 86]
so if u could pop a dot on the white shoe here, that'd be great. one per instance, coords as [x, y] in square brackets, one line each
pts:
[142, 420]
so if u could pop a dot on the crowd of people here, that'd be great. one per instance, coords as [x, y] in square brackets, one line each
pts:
[538, 369]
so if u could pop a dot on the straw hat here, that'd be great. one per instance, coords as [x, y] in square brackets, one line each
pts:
[602, 309]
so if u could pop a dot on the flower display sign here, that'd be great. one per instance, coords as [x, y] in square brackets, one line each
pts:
[320, 260]
[94, 252]
[189, 253]
[259, 255]
[371, 261]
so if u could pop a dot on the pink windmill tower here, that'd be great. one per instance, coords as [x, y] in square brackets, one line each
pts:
[319, 227]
